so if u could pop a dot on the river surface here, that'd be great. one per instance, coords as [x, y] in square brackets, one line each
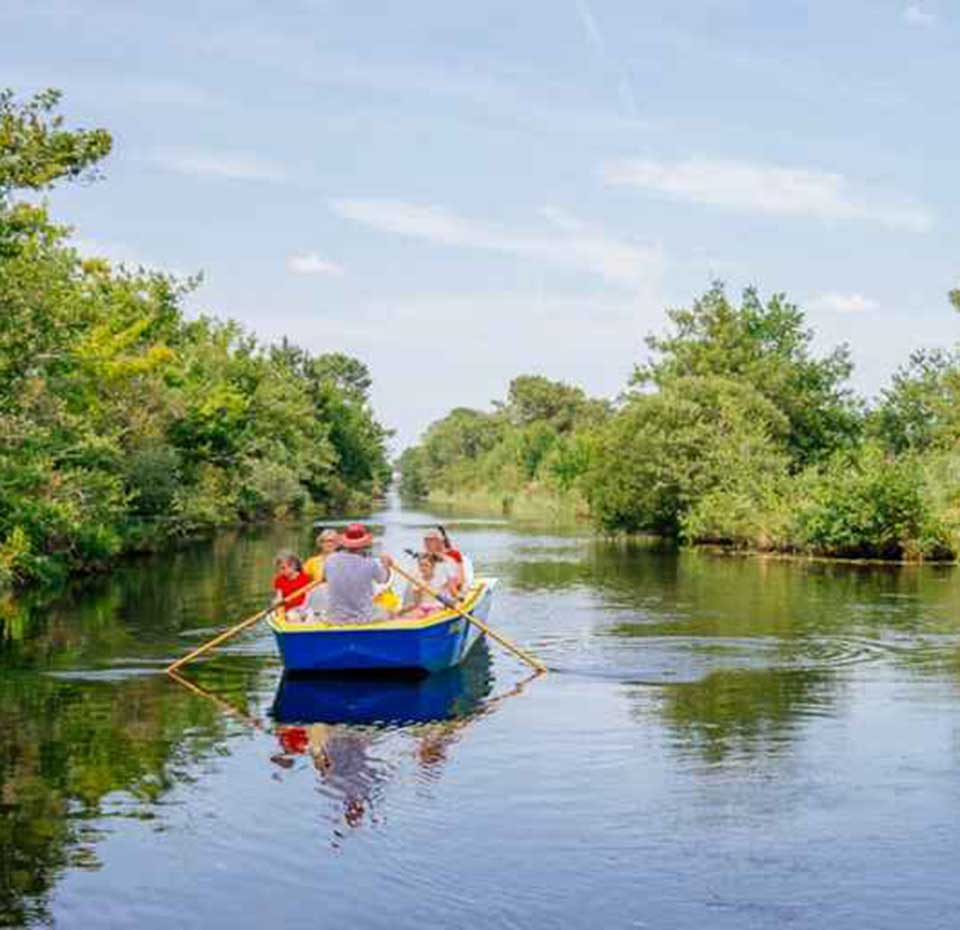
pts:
[722, 742]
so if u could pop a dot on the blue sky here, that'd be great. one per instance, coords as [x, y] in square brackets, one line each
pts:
[459, 193]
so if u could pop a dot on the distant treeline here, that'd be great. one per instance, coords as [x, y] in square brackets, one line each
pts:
[123, 424]
[733, 432]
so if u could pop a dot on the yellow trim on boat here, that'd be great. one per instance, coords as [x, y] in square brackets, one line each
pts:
[282, 625]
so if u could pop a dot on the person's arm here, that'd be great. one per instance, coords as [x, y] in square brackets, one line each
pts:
[416, 596]
[451, 591]
[381, 568]
[453, 574]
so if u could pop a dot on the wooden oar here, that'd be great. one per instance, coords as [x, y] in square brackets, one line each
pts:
[479, 624]
[250, 621]
[219, 701]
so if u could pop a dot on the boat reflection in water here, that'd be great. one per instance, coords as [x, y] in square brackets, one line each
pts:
[385, 700]
[358, 731]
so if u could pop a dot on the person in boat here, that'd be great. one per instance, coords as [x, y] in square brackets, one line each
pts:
[437, 542]
[327, 542]
[436, 573]
[351, 574]
[289, 579]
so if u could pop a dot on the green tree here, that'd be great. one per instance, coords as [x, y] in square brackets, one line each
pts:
[535, 399]
[766, 346]
[664, 451]
[462, 434]
[338, 386]
[921, 408]
[535, 440]
[123, 424]
[412, 466]
[36, 150]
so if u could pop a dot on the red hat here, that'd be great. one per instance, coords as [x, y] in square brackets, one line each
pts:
[356, 536]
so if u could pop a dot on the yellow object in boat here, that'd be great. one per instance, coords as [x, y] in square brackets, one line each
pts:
[388, 599]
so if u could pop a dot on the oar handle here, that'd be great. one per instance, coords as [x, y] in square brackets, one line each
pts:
[227, 634]
[479, 624]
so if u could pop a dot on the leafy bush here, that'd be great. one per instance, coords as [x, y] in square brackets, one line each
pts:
[872, 505]
[754, 515]
[269, 489]
[152, 474]
[208, 500]
[665, 451]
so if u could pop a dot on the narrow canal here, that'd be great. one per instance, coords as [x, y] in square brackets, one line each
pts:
[724, 743]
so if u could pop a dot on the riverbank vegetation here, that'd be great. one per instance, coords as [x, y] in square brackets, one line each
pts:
[125, 423]
[732, 431]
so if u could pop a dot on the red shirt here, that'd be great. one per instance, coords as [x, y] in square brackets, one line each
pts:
[287, 586]
[454, 554]
[294, 740]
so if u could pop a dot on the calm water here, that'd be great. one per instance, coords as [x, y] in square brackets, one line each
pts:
[723, 743]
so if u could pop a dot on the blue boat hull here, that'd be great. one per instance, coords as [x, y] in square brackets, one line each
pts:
[403, 645]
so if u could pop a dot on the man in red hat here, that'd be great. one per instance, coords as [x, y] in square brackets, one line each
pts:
[351, 573]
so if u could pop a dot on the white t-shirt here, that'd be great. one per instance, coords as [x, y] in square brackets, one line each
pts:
[443, 573]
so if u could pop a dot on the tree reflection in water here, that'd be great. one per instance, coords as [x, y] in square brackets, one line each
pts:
[744, 714]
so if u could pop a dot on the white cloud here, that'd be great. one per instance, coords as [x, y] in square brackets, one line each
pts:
[760, 188]
[570, 244]
[844, 303]
[311, 263]
[233, 166]
[916, 15]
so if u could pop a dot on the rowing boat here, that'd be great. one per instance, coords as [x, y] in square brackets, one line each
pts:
[438, 641]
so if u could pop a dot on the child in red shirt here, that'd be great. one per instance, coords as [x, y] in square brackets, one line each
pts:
[290, 578]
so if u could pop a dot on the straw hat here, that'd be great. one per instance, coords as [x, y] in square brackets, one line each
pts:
[356, 536]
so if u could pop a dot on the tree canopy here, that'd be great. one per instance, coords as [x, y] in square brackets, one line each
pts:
[124, 423]
[767, 346]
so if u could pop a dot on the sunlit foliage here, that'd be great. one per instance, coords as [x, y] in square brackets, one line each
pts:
[123, 423]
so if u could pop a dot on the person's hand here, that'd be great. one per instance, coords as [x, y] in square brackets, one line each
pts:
[386, 559]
